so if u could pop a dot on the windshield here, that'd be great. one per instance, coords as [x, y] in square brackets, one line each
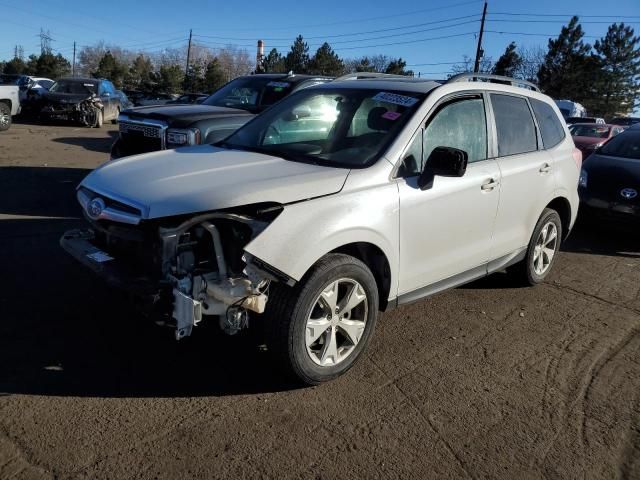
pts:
[589, 131]
[250, 93]
[626, 145]
[74, 86]
[347, 128]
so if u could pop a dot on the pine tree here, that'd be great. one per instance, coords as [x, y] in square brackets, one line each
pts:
[214, 76]
[297, 60]
[618, 86]
[569, 70]
[509, 63]
[326, 62]
[15, 66]
[111, 69]
[140, 73]
[396, 67]
[273, 62]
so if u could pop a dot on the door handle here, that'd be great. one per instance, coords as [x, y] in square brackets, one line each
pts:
[546, 168]
[489, 185]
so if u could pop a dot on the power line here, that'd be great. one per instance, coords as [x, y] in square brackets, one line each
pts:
[348, 34]
[533, 34]
[563, 15]
[551, 21]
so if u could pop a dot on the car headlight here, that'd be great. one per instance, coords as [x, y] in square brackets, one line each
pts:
[582, 181]
[181, 137]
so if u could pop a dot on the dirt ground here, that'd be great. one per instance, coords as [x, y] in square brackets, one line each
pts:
[484, 381]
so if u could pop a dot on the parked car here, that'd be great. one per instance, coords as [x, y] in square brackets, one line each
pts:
[572, 120]
[610, 179]
[233, 105]
[155, 99]
[90, 101]
[189, 98]
[625, 121]
[571, 109]
[401, 188]
[589, 136]
[125, 103]
[9, 105]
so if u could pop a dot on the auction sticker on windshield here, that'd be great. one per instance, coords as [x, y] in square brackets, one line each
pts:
[278, 84]
[394, 98]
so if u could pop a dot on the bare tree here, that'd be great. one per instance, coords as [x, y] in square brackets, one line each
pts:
[467, 64]
[532, 58]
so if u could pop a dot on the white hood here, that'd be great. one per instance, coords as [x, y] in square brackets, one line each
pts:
[203, 178]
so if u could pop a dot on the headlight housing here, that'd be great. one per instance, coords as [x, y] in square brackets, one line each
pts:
[582, 181]
[179, 137]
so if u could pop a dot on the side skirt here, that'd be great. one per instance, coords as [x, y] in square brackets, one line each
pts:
[461, 278]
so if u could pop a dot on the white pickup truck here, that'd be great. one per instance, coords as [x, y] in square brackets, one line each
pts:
[9, 105]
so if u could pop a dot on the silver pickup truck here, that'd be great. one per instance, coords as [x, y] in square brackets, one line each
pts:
[9, 105]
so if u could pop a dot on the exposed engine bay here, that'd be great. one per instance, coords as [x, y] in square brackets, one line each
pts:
[191, 269]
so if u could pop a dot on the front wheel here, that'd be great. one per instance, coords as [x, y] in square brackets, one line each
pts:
[114, 120]
[542, 250]
[99, 118]
[321, 326]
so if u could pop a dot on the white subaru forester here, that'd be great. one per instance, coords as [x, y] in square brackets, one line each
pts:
[342, 200]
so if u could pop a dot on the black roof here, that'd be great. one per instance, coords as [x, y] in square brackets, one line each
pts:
[81, 79]
[291, 78]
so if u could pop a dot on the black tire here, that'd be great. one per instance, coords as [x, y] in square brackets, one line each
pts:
[289, 308]
[114, 120]
[524, 272]
[5, 117]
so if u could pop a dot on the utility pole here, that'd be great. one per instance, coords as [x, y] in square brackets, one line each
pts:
[186, 70]
[73, 70]
[479, 51]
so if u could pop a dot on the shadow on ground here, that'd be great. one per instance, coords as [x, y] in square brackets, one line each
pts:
[63, 333]
[102, 145]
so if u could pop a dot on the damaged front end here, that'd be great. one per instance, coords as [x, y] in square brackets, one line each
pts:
[182, 269]
[84, 112]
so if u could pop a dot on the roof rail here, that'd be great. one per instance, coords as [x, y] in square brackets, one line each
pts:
[369, 75]
[487, 77]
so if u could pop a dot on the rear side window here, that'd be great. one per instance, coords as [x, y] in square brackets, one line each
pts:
[549, 123]
[514, 124]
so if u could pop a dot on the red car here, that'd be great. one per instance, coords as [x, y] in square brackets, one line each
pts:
[589, 136]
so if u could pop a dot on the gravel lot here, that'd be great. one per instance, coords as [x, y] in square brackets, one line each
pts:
[482, 381]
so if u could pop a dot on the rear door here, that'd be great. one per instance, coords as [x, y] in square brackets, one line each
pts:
[528, 180]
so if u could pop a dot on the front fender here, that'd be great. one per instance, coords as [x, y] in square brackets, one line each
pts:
[306, 231]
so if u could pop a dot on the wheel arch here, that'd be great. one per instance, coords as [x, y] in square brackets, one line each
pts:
[563, 207]
[372, 256]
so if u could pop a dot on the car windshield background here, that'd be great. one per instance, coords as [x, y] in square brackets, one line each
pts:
[74, 86]
[626, 144]
[589, 131]
[347, 128]
[250, 93]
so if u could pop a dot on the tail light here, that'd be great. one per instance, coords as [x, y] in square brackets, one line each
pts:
[577, 157]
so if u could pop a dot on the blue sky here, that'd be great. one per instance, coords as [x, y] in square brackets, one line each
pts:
[434, 32]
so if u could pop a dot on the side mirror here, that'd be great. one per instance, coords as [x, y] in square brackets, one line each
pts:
[444, 162]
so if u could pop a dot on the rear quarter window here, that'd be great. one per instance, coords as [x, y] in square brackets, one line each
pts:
[514, 125]
[550, 127]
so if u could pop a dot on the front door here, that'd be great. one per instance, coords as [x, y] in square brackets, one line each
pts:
[446, 230]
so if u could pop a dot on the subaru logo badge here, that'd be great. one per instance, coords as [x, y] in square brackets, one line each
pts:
[95, 208]
[628, 193]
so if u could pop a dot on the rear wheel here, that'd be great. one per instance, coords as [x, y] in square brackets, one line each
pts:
[5, 117]
[542, 250]
[321, 326]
